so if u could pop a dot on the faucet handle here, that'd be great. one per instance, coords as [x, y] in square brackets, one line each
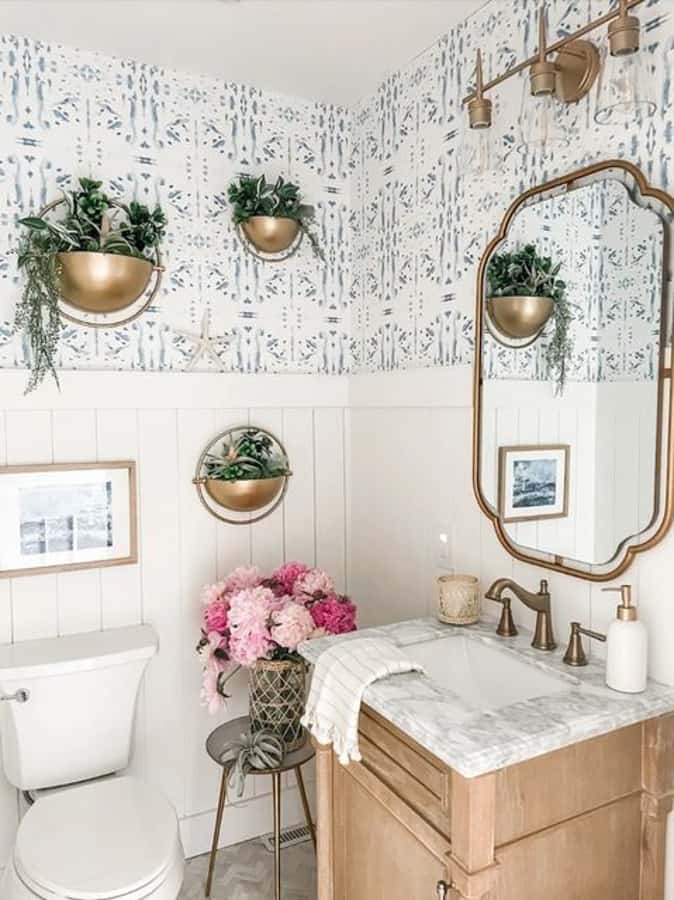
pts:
[543, 587]
[575, 654]
[506, 626]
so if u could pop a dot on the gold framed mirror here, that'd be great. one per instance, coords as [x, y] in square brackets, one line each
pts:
[573, 429]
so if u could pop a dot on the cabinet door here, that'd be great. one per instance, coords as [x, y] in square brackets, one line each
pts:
[377, 855]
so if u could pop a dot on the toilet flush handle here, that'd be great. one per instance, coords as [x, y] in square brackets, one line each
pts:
[20, 696]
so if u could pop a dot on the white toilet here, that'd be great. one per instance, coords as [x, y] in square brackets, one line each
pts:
[66, 720]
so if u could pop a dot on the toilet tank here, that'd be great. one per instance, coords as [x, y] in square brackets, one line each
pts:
[77, 722]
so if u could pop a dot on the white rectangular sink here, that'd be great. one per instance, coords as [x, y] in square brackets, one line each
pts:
[484, 677]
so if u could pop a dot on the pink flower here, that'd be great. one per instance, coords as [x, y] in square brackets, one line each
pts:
[210, 696]
[286, 575]
[215, 616]
[314, 583]
[249, 616]
[247, 645]
[291, 625]
[214, 651]
[242, 578]
[251, 607]
[336, 615]
[212, 592]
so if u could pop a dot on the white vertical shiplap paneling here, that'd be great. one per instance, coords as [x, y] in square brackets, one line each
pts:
[78, 593]
[121, 588]
[330, 493]
[163, 726]
[8, 797]
[34, 599]
[198, 567]
[298, 512]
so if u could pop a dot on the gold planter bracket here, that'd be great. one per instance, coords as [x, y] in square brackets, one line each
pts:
[112, 277]
[244, 501]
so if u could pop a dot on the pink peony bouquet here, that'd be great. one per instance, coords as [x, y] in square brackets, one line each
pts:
[248, 617]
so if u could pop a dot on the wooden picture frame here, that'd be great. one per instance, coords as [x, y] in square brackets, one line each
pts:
[533, 502]
[63, 517]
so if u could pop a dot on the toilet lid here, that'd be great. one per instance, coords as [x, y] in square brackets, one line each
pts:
[98, 840]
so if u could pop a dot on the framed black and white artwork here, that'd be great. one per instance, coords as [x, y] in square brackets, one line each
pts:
[66, 516]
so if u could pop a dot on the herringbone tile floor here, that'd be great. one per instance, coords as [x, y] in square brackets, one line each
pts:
[245, 872]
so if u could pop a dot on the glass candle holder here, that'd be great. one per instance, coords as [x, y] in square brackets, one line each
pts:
[459, 600]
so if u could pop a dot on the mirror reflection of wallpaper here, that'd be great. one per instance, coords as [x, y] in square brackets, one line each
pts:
[179, 140]
[611, 255]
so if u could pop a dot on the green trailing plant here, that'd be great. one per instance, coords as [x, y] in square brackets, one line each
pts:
[257, 750]
[244, 455]
[255, 196]
[92, 223]
[525, 273]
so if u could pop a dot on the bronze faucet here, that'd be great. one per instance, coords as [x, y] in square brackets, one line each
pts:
[540, 603]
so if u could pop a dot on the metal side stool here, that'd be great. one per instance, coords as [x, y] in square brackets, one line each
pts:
[215, 745]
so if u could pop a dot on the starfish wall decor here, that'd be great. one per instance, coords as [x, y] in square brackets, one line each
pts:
[204, 344]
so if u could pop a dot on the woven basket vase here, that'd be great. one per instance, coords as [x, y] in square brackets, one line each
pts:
[276, 695]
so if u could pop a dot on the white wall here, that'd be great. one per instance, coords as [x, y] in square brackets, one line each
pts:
[163, 421]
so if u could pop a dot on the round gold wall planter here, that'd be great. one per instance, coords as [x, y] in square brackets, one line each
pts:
[247, 495]
[240, 501]
[94, 286]
[520, 318]
[271, 238]
[102, 282]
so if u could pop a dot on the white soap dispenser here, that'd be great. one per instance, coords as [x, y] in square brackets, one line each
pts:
[626, 647]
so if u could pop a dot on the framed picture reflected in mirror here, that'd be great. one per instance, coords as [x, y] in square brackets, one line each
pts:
[533, 482]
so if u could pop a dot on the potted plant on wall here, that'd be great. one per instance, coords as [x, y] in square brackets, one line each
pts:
[97, 259]
[524, 293]
[248, 471]
[271, 215]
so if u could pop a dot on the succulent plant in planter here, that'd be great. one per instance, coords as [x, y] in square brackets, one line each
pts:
[248, 472]
[97, 258]
[524, 293]
[271, 215]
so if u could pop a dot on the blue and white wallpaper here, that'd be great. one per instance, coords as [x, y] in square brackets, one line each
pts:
[420, 224]
[610, 251]
[179, 140]
[401, 224]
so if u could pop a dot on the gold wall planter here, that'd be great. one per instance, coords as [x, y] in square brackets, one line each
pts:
[245, 500]
[247, 495]
[520, 317]
[97, 282]
[271, 238]
[271, 234]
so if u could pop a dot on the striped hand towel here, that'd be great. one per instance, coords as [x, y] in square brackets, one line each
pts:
[342, 673]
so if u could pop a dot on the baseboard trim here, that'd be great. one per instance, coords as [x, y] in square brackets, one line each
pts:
[241, 822]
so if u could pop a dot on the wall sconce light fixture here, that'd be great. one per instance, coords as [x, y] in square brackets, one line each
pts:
[479, 151]
[624, 92]
[565, 71]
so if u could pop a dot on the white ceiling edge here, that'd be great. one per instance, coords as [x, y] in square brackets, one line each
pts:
[332, 51]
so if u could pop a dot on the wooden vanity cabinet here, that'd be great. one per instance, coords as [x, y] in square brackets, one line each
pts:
[586, 822]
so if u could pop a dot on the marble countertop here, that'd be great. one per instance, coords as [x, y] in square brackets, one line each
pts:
[475, 742]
